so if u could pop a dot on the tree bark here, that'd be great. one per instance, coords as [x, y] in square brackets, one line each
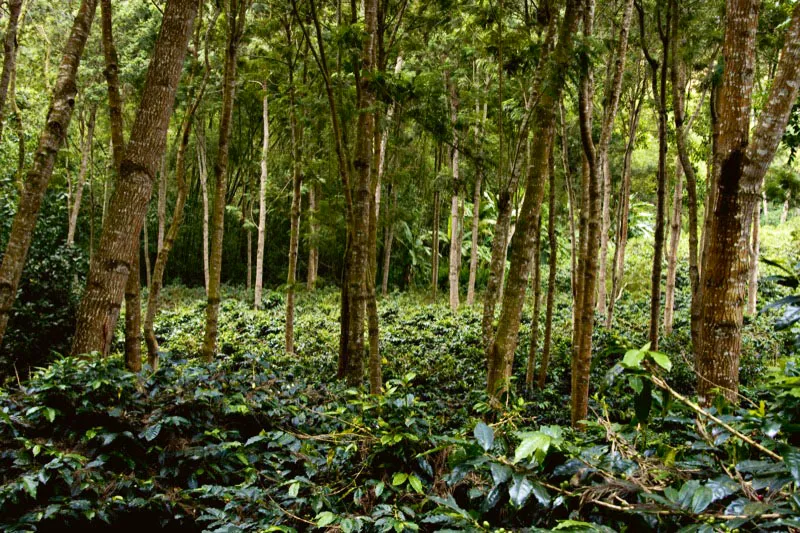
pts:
[387, 243]
[235, 18]
[551, 278]
[202, 170]
[9, 55]
[755, 249]
[50, 141]
[109, 269]
[161, 207]
[785, 212]
[435, 247]
[294, 229]
[473, 253]
[742, 165]
[313, 245]
[549, 91]
[672, 251]
[537, 301]
[81, 181]
[133, 316]
[455, 220]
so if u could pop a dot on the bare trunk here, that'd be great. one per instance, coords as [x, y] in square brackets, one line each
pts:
[148, 277]
[551, 278]
[755, 249]
[455, 220]
[50, 141]
[672, 251]
[161, 208]
[294, 226]
[133, 316]
[537, 301]
[109, 269]
[235, 18]
[473, 252]
[387, 243]
[435, 247]
[81, 181]
[497, 265]
[785, 212]
[313, 244]
[202, 168]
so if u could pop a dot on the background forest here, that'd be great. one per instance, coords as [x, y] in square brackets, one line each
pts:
[388, 265]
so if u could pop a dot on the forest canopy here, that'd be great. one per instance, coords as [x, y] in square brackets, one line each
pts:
[387, 265]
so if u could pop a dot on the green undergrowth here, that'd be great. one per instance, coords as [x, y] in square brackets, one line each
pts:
[264, 441]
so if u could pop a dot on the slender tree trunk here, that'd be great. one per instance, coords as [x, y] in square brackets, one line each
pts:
[294, 229]
[387, 243]
[624, 210]
[373, 325]
[755, 249]
[133, 316]
[81, 181]
[504, 343]
[202, 169]
[742, 165]
[148, 277]
[9, 55]
[609, 115]
[435, 247]
[161, 210]
[571, 200]
[551, 278]
[537, 301]
[672, 251]
[473, 253]
[764, 202]
[313, 245]
[455, 220]
[235, 18]
[785, 212]
[50, 141]
[109, 269]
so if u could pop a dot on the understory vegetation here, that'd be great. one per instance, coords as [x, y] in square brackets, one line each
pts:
[260, 440]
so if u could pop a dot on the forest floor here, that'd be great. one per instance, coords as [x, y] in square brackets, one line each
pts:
[264, 441]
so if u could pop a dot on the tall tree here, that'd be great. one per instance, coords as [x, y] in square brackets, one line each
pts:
[9, 54]
[50, 141]
[111, 264]
[262, 201]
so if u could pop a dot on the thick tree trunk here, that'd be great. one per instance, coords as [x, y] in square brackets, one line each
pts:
[50, 141]
[111, 264]
[9, 55]
[501, 351]
[672, 251]
[537, 301]
[235, 18]
[81, 181]
[742, 165]
[455, 219]
[551, 278]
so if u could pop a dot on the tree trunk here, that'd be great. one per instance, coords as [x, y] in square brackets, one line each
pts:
[435, 247]
[108, 271]
[387, 243]
[571, 200]
[672, 251]
[294, 229]
[537, 301]
[81, 181]
[473, 252]
[133, 316]
[9, 55]
[785, 212]
[161, 207]
[50, 141]
[313, 244]
[624, 209]
[755, 249]
[742, 165]
[202, 169]
[609, 115]
[501, 351]
[551, 278]
[455, 220]
[235, 18]
[373, 325]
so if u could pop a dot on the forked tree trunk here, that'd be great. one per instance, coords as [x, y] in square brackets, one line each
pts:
[9, 55]
[551, 278]
[537, 301]
[111, 264]
[50, 141]
[235, 19]
[672, 251]
[81, 181]
[742, 165]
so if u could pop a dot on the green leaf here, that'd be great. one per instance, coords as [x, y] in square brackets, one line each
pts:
[325, 518]
[294, 489]
[484, 435]
[415, 483]
[520, 490]
[399, 478]
[662, 360]
[535, 442]
[500, 473]
[701, 499]
[633, 359]
[379, 489]
[151, 432]
[792, 459]
[29, 483]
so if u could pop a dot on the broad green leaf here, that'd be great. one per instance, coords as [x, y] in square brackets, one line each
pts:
[662, 360]
[535, 442]
[399, 478]
[792, 459]
[500, 473]
[294, 489]
[701, 499]
[633, 359]
[519, 490]
[415, 483]
[30, 483]
[325, 518]
[484, 435]
[152, 431]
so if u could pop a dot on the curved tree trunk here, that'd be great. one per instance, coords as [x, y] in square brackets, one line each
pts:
[111, 264]
[50, 141]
